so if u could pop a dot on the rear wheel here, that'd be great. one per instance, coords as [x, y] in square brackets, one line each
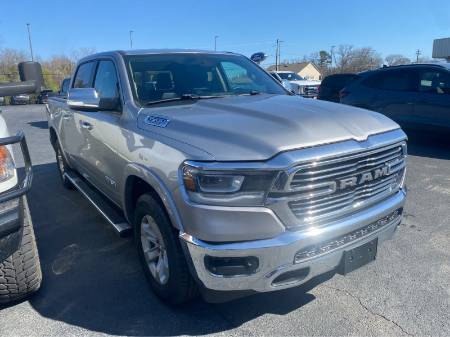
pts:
[63, 168]
[20, 273]
[161, 254]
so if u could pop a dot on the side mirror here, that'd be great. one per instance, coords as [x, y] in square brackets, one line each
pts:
[88, 99]
[31, 81]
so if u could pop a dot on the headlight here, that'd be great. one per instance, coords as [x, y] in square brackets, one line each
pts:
[227, 187]
[8, 178]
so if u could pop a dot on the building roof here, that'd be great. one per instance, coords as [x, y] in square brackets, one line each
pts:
[294, 67]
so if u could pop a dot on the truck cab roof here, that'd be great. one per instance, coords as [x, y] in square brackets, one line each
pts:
[153, 51]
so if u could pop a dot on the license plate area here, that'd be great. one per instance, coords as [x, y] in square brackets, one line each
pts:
[358, 257]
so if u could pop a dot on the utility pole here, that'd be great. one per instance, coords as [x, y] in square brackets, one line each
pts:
[215, 42]
[278, 54]
[418, 52]
[332, 55]
[29, 40]
[131, 39]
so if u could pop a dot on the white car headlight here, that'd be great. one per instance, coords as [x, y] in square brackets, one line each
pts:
[8, 176]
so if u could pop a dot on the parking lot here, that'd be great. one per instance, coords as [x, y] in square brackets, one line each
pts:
[93, 283]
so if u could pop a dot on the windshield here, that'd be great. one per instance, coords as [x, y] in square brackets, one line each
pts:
[170, 76]
[291, 76]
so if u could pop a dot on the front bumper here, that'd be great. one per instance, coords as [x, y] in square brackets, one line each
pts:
[317, 250]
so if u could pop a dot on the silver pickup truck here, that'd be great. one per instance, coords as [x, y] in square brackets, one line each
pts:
[230, 184]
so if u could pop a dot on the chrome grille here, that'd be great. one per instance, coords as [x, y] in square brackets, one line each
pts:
[315, 191]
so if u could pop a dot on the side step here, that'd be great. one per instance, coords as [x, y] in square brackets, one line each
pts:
[109, 211]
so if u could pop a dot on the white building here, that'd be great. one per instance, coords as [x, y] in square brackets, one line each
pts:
[441, 49]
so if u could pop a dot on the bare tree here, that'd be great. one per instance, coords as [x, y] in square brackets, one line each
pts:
[396, 59]
[344, 54]
[353, 60]
[424, 59]
[56, 69]
[79, 53]
[9, 58]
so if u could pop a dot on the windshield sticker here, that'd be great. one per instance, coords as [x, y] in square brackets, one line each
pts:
[160, 122]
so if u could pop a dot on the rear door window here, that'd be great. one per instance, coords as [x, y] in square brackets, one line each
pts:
[435, 82]
[339, 81]
[65, 86]
[106, 83]
[83, 77]
[393, 80]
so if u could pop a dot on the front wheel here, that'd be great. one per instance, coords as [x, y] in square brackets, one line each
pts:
[161, 254]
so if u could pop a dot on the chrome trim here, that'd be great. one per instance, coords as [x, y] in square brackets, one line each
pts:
[120, 227]
[289, 162]
[276, 255]
[311, 204]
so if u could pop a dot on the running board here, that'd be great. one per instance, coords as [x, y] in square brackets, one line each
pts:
[111, 213]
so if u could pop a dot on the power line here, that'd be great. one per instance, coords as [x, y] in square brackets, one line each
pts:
[278, 54]
[131, 39]
[215, 42]
[418, 52]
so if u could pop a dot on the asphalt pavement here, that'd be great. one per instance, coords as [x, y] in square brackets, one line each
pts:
[93, 284]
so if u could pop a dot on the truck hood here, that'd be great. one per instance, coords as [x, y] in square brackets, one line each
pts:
[248, 128]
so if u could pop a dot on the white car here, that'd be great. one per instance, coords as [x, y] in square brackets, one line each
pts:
[301, 86]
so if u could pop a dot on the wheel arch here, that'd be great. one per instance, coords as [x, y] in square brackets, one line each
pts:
[53, 137]
[140, 180]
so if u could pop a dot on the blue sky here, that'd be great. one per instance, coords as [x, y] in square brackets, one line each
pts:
[58, 27]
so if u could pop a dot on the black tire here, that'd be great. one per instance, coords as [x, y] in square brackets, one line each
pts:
[180, 286]
[62, 168]
[20, 273]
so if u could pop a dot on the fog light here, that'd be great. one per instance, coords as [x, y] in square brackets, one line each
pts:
[231, 266]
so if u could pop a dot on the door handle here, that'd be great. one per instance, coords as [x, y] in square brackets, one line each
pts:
[86, 125]
[66, 115]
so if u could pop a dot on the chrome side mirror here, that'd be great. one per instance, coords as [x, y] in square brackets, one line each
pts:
[83, 99]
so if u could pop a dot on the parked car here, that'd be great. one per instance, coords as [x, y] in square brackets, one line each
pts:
[285, 83]
[43, 96]
[20, 99]
[416, 96]
[20, 271]
[331, 86]
[301, 86]
[230, 184]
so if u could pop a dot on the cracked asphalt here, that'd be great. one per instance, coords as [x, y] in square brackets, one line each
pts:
[94, 286]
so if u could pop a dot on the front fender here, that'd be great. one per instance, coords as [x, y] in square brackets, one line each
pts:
[151, 178]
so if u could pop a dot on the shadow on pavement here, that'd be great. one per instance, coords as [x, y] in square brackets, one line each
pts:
[39, 124]
[428, 144]
[92, 278]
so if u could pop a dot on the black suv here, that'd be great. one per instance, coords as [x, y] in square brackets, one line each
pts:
[416, 95]
[331, 86]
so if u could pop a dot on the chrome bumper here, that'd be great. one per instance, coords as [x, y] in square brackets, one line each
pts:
[276, 256]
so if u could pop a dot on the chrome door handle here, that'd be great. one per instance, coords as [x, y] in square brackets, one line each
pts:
[86, 125]
[66, 115]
